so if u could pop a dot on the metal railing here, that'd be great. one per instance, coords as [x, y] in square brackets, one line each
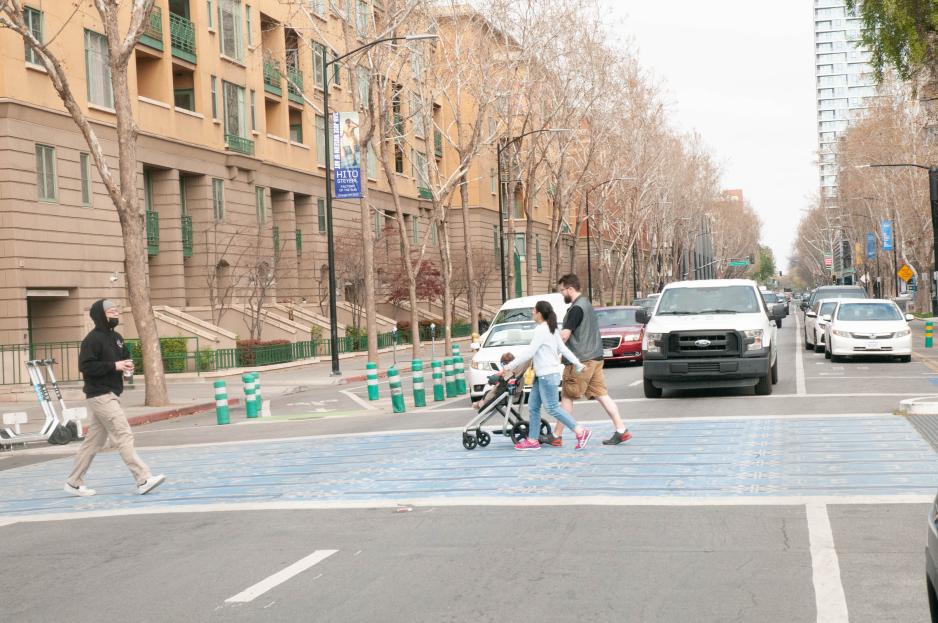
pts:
[153, 31]
[295, 84]
[186, 235]
[239, 144]
[153, 232]
[182, 37]
[424, 193]
[272, 80]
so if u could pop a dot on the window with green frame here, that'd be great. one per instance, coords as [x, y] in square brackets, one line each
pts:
[33, 19]
[321, 213]
[214, 97]
[84, 163]
[97, 70]
[260, 204]
[537, 251]
[296, 132]
[148, 189]
[184, 98]
[218, 199]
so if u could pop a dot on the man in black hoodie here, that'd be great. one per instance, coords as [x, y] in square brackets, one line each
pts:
[103, 360]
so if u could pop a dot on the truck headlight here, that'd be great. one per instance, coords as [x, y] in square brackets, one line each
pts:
[754, 339]
[651, 343]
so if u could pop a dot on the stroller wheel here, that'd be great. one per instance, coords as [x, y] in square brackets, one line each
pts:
[484, 438]
[545, 428]
[468, 441]
[519, 431]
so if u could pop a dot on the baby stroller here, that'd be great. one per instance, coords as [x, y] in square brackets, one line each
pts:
[506, 401]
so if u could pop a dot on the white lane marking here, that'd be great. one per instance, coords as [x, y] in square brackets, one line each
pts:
[357, 400]
[828, 588]
[253, 592]
[799, 360]
[7, 522]
[835, 375]
[634, 383]
[802, 500]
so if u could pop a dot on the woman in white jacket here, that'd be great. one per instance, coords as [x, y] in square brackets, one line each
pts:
[545, 349]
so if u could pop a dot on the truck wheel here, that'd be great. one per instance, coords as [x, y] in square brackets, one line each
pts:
[764, 386]
[775, 371]
[650, 390]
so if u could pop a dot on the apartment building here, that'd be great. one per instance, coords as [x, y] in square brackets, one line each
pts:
[227, 95]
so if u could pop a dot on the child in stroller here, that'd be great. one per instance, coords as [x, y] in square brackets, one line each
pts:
[505, 399]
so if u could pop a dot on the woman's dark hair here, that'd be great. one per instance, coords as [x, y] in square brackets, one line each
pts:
[546, 310]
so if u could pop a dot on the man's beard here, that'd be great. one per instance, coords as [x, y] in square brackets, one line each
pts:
[567, 299]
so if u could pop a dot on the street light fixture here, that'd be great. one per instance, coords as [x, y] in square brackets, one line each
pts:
[330, 244]
[502, 145]
[589, 253]
[933, 199]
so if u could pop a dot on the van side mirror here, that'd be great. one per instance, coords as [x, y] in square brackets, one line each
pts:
[641, 316]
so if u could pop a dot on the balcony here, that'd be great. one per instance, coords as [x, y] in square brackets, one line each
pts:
[438, 143]
[424, 193]
[153, 31]
[186, 235]
[182, 37]
[242, 145]
[272, 80]
[295, 85]
[153, 232]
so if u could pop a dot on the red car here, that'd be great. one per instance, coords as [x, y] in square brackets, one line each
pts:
[621, 333]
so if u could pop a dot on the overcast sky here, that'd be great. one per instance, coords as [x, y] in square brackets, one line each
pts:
[741, 72]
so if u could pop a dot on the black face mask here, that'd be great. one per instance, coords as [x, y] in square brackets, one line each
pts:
[113, 322]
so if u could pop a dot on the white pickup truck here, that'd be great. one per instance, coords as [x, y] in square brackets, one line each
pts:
[710, 333]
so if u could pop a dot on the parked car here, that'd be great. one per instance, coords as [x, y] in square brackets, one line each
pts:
[831, 292]
[501, 338]
[777, 306]
[521, 310]
[868, 327]
[815, 326]
[709, 333]
[621, 333]
[931, 560]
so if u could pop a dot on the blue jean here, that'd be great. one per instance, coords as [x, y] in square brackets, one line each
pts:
[544, 391]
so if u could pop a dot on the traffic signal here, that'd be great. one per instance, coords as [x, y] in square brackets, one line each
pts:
[846, 255]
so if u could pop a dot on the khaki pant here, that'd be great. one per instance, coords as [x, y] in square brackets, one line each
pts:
[590, 382]
[107, 420]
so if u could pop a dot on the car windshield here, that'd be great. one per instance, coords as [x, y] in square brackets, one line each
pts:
[515, 334]
[709, 300]
[840, 293]
[826, 308]
[859, 312]
[615, 317]
[520, 314]
[768, 297]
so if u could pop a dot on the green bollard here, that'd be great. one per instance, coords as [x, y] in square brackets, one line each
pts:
[397, 393]
[221, 403]
[420, 395]
[250, 407]
[372, 368]
[929, 333]
[459, 371]
[455, 350]
[438, 395]
[450, 378]
[258, 401]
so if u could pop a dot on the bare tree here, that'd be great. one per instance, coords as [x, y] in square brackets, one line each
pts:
[123, 189]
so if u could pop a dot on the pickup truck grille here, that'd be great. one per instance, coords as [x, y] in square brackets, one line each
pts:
[704, 344]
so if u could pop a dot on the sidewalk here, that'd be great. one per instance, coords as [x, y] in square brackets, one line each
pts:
[928, 356]
[189, 396]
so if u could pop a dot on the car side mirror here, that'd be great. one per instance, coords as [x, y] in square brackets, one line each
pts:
[474, 346]
[909, 317]
[641, 316]
[811, 314]
[826, 317]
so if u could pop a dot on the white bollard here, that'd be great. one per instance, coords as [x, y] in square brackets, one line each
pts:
[265, 408]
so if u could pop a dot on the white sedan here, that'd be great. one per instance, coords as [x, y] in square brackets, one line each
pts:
[868, 327]
[815, 327]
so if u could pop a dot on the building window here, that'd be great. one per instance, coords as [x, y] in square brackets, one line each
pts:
[495, 240]
[229, 21]
[260, 204]
[184, 98]
[209, 11]
[415, 230]
[299, 242]
[296, 132]
[97, 71]
[372, 163]
[416, 114]
[45, 173]
[218, 199]
[233, 99]
[253, 110]
[320, 141]
[321, 213]
[319, 54]
[520, 246]
[247, 19]
[379, 223]
[398, 158]
[33, 19]
[318, 7]
[493, 181]
[364, 85]
[214, 97]
[336, 70]
[183, 206]
[148, 190]
[433, 234]
[361, 18]
[84, 163]
[537, 251]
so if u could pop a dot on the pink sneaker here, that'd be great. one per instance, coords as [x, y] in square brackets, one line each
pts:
[582, 438]
[527, 444]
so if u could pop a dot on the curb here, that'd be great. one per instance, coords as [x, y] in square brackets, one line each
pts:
[169, 414]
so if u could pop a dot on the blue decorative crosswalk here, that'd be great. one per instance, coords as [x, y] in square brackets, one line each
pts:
[875, 455]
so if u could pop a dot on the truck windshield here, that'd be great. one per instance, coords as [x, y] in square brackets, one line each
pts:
[709, 300]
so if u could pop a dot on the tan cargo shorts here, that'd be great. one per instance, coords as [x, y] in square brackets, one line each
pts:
[590, 383]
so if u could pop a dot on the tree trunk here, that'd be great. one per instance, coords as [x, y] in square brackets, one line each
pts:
[447, 260]
[368, 260]
[470, 270]
[529, 245]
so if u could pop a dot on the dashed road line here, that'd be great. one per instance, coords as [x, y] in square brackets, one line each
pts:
[253, 592]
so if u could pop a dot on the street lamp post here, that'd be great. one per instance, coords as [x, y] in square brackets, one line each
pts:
[330, 245]
[589, 254]
[933, 200]
[502, 187]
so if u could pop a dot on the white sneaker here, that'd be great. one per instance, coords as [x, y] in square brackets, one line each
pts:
[150, 484]
[81, 491]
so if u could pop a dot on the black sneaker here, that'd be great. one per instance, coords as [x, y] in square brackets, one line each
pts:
[617, 438]
[547, 439]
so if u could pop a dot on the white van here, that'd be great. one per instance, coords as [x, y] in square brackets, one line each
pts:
[511, 330]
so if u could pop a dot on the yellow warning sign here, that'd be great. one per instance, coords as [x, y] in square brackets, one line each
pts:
[905, 273]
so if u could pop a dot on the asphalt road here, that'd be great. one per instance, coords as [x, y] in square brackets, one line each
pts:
[806, 505]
